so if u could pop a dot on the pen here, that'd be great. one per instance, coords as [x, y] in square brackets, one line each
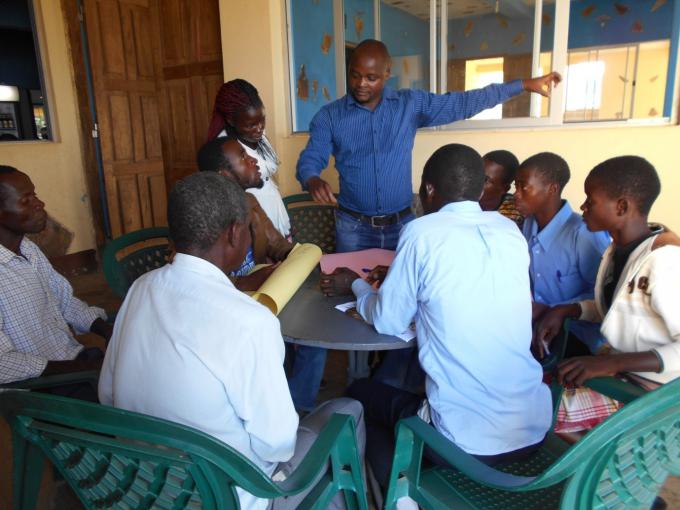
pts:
[366, 270]
[559, 276]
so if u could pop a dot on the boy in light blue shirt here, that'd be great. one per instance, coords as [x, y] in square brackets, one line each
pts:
[564, 254]
[455, 268]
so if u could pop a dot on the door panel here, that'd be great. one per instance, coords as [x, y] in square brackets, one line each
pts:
[121, 35]
[156, 66]
[191, 59]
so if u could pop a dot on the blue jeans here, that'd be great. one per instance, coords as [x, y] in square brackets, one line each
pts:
[305, 377]
[351, 234]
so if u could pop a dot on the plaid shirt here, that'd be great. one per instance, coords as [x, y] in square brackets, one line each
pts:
[36, 307]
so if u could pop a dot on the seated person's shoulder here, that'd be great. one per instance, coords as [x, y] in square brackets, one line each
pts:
[666, 238]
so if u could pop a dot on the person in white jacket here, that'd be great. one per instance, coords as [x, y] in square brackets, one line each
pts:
[638, 282]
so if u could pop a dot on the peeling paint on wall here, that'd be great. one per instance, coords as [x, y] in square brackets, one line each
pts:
[326, 43]
[302, 84]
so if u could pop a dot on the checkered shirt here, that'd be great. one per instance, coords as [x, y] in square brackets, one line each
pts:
[36, 307]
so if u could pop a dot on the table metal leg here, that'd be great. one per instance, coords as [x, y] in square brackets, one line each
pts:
[358, 365]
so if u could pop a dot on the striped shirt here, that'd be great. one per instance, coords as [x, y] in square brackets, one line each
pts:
[372, 149]
[36, 307]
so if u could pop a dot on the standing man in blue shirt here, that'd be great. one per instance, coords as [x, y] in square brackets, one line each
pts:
[455, 268]
[564, 254]
[371, 132]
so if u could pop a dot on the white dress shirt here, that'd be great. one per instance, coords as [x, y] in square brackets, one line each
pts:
[36, 308]
[190, 348]
[462, 275]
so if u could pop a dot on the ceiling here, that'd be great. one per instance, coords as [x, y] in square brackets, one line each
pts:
[465, 8]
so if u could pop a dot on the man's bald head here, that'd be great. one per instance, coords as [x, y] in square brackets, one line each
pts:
[373, 49]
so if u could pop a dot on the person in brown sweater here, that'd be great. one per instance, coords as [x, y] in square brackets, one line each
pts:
[227, 157]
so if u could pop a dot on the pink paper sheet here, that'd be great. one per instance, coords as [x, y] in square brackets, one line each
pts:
[357, 261]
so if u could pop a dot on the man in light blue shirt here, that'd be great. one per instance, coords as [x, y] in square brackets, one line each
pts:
[370, 132]
[462, 275]
[565, 255]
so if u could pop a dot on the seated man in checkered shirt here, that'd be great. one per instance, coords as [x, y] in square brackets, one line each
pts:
[37, 306]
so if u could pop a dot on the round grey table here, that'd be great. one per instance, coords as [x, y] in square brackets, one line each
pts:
[310, 318]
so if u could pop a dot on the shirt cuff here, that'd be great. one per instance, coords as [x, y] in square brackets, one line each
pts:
[669, 356]
[361, 287]
[515, 87]
[305, 175]
[89, 316]
[589, 311]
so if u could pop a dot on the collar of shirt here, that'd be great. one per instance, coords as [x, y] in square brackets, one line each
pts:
[550, 232]
[387, 93]
[462, 207]
[198, 265]
[25, 249]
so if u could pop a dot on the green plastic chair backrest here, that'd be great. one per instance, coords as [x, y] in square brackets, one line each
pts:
[152, 253]
[311, 222]
[620, 464]
[624, 461]
[114, 458]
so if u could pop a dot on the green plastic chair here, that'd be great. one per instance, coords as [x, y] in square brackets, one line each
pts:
[620, 464]
[311, 222]
[129, 256]
[90, 377]
[116, 459]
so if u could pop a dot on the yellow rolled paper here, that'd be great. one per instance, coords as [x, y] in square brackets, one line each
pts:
[288, 277]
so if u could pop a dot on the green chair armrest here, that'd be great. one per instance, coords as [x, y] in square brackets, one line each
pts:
[416, 432]
[558, 348]
[338, 440]
[50, 381]
[615, 388]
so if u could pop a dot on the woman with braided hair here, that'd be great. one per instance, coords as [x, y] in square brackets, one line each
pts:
[239, 112]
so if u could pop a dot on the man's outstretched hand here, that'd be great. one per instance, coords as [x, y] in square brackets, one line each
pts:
[339, 282]
[542, 85]
[321, 191]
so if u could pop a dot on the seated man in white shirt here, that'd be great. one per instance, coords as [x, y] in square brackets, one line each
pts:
[37, 306]
[191, 348]
[462, 275]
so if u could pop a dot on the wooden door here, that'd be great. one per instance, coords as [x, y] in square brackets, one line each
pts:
[191, 74]
[123, 41]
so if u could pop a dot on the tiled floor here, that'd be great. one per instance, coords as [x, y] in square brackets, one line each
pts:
[93, 289]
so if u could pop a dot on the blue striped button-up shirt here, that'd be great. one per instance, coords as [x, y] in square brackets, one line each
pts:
[372, 149]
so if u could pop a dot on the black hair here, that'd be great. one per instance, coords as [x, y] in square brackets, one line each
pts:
[628, 176]
[201, 207]
[5, 170]
[456, 171]
[550, 166]
[210, 157]
[507, 160]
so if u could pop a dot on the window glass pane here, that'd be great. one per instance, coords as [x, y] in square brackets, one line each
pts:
[312, 49]
[492, 42]
[617, 59]
[405, 29]
[23, 109]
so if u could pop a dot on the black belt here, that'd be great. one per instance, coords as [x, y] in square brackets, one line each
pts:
[378, 221]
